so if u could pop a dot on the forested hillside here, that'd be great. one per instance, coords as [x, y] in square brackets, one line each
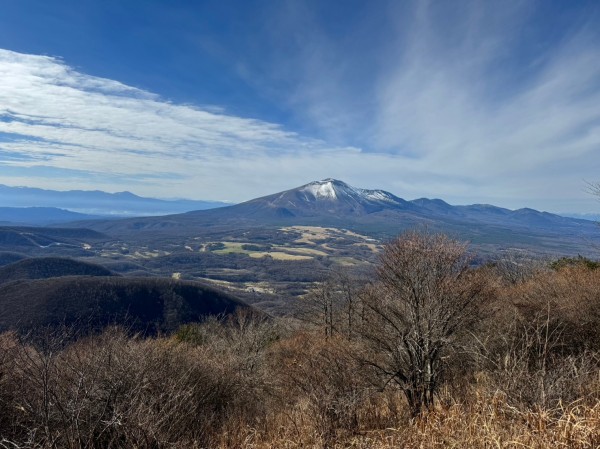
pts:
[89, 303]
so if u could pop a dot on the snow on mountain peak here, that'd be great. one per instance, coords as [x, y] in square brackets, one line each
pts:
[332, 189]
[322, 189]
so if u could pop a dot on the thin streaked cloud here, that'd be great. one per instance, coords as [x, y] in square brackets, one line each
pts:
[469, 101]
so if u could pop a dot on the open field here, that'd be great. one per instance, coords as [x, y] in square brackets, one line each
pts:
[278, 255]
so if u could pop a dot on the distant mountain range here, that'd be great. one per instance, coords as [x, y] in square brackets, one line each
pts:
[40, 216]
[378, 213]
[58, 204]
[589, 216]
[329, 202]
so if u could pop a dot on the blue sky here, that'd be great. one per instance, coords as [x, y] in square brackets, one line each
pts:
[469, 101]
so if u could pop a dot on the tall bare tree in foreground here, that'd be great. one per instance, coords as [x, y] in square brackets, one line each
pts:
[425, 298]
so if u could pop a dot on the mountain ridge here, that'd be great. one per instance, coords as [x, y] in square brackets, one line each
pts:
[377, 213]
[41, 216]
[98, 202]
[335, 197]
[49, 267]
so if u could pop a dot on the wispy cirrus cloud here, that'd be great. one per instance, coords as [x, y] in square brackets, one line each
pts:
[477, 104]
[55, 117]
[496, 101]
[469, 101]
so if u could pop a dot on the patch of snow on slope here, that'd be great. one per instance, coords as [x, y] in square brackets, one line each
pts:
[379, 196]
[332, 189]
[376, 195]
[321, 190]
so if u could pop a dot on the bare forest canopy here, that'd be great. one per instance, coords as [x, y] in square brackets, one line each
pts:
[425, 350]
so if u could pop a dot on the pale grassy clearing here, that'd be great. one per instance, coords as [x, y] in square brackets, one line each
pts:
[259, 287]
[311, 234]
[302, 251]
[354, 234]
[281, 253]
[373, 247]
[278, 255]
[151, 254]
[112, 254]
[347, 261]
[232, 247]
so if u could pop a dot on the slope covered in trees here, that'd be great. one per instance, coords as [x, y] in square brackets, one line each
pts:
[49, 267]
[7, 257]
[146, 305]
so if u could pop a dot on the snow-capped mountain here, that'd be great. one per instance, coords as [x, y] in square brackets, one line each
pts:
[333, 203]
[334, 190]
[329, 196]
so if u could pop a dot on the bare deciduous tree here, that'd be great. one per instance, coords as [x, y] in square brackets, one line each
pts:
[515, 266]
[426, 296]
[335, 304]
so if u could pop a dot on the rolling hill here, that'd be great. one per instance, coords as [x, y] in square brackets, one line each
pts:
[147, 305]
[7, 257]
[49, 267]
[23, 238]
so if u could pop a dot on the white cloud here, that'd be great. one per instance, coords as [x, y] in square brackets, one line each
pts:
[455, 103]
[525, 129]
[468, 101]
[58, 118]
[77, 131]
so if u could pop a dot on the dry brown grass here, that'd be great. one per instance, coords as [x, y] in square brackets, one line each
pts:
[532, 380]
[488, 423]
[244, 386]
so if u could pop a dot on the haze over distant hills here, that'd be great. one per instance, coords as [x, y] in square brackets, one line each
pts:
[40, 216]
[92, 202]
[590, 216]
